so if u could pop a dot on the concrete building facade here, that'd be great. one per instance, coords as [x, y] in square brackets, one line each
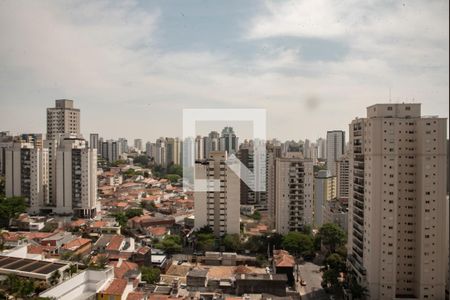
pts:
[294, 194]
[27, 174]
[397, 206]
[219, 206]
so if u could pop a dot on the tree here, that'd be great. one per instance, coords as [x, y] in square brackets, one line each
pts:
[170, 245]
[256, 244]
[11, 207]
[2, 186]
[205, 241]
[330, 280]
[256, 216]
[102, 261]
[297, 243]
[121, 218]
[175, 169]
[232, 242]
[335, 262]
[358, 291]
[149, 205]
[173, 178]
[141, 160]
[134, 212]
[331, 236]
[54, 278]
[150, 275]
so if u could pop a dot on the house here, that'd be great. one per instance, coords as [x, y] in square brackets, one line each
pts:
[197, 278]
[76, 246]
[126, 270]
[274, 284]
[157, 232]
[142, 256]
[118, 289]
[284, 263]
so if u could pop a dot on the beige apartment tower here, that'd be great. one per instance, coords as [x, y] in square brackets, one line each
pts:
[217, 204]
[397, 202]
[294, 193]
[63, 118]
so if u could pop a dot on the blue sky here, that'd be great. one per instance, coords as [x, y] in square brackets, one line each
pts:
[133, 66]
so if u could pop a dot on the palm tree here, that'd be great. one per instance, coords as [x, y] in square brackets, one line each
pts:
[54, 278]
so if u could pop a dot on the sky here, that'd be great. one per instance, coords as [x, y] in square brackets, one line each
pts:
[133, 66]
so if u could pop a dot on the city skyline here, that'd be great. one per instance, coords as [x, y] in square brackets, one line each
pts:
[253, 54]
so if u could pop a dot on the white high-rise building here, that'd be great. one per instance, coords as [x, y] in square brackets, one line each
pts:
[160, 152]
[138, 145]
[397, 240]
[321, 148]
[294, 193]
[26, 174]
[335, 149]
[6, 141]
[220, 210]
[76, 178]
[61, 119]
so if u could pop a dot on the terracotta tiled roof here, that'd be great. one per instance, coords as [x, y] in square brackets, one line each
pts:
[135, 296]
[143, 250]
[75, 244]
[283, 259]
[117, 287]
[114, 244]
[99, 224]
[157, 231]
[121, 268]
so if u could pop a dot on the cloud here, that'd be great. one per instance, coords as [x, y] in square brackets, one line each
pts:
[108, 57]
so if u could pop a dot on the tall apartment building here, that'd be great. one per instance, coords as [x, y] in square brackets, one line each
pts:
[273, 152]
[111, 150]
[397, 240]
[160, 152]
[199, 148]
[63, 118]
[76, 178]
[324, 193]
[254, 191]
[321, 148]
[294, 194]
[343, 173]
[26, 174]
[94, 141]
[335, 149]
[219, 206]
[123, 145]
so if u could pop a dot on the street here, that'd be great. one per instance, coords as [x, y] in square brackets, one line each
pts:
[313, 290]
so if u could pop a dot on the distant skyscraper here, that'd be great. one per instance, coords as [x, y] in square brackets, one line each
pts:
[76, 178]
[63, 118]
[111, 150]
[335, 149]
[93, 141]
[149, 149]
[138, 144]
[123, 145]
[229, 141]
[199, 148]
[397, 241]
[160, 152]
[321, 148]
[294, 194]
[27, 174]
[220, 210]
[212, 142]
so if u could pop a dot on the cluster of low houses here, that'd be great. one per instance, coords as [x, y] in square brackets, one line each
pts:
[37, 247]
